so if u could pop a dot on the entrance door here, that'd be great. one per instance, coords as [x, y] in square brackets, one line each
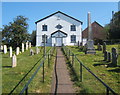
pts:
[58, 41]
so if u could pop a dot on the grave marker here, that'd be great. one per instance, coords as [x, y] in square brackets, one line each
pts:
[22, 47]
[109, 57]
[17, 50]
[26, 45]
[5, 49]
[114, 57]
[14, 61]
[31, 52]
[104, 47]
[10, 51]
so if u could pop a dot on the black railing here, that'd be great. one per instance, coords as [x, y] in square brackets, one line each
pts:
[68, 53]
[49, 53]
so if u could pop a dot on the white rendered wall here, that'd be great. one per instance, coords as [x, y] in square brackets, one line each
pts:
[51, 23]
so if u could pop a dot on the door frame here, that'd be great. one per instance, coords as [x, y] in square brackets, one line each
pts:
[61, 40]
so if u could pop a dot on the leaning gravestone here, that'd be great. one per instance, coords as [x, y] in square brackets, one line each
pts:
[10, 51]
[22, 47]
[104, 47]
[26, 45]
[14, 61]
[109, 57]
[5, 49]
[105, 56]
[114, 57]
[17, 50]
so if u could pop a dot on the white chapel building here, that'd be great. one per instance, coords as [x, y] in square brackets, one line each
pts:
[59, 29]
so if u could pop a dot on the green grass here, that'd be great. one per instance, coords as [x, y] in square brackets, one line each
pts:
[109, 75]
[11, 76]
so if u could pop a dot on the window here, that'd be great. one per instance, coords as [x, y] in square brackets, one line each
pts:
[73, 38]
[43, 38]
[59, 26]
[73, 28]
[44, 27]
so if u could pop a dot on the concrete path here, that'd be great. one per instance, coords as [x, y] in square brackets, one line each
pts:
[65, 84]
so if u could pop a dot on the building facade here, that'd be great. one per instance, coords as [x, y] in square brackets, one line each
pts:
[57, 29]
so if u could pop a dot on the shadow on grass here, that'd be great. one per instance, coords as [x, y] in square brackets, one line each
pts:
[6, 66]
[117, 70]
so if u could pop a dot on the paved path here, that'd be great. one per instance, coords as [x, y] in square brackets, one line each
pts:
[65, 84]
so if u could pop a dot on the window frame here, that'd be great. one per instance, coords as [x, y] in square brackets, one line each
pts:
[44, 27]
[73, 38]
[43, 38]
[73, 27]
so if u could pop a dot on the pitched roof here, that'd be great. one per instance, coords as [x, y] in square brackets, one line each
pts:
[56, 13]
[97, 31]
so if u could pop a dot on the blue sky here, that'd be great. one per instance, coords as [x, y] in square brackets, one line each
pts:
[100, 11]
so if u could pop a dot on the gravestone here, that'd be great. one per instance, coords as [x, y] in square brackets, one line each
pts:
[22, 47]
[26, 45]
[10, 51]
[29, 44]
[5, 49]
[37, 50]
[114, 57]
[104, 47]
[78, 43]
[90, 43]
[99, 47]
[81, 44]
[17, 50]
[109, 57]
[14, 61]
[1, 47]
[105, 56]
[31, 52]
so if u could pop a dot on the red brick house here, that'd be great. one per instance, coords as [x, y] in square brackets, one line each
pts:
[98, 34]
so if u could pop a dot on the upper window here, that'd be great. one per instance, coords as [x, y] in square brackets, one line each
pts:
[73, 38]
[59, 26]
[73, 28]
[44, 27]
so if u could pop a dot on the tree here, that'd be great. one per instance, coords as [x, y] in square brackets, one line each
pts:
[33, 38]
[15, 32]
[114, 32]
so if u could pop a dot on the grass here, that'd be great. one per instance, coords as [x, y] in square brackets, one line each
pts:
[11, 76]
[109, 75]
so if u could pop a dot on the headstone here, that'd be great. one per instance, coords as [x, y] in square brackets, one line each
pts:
[90, 43]
[22, 47]
[114, 57]
[31, 52]
[29, 44]
[37, 50]
[10, 51]
[104, 47]
[81, 44]
[5, 49]
[26, 45]
[99, 47]
[78, 44]
[1, 47]
[17, 50]
[105, 56]
[109, 57]
[14, 61]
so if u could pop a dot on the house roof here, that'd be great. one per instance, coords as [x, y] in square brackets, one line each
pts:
[97, 30]
[56, 13]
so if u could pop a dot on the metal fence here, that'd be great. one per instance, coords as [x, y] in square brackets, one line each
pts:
[83, 71]
[40, 64]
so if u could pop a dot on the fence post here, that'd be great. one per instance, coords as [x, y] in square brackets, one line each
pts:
[72, 59]
[26, 91]
[48, 60]
[80, 72]
[43, 71]
[107, 91]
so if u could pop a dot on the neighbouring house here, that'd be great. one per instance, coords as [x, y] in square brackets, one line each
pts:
[59, 29]
[98, 34]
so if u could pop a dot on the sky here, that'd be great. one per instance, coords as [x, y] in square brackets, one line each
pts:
[100, 11]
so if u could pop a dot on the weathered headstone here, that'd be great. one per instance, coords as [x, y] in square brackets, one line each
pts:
[1, 47]
[104, 47]
[37, 50]
[17, 50]
[109, 57]
[99, 47]
[29, 44]
[5, 49]
[26, 45]
[31, 52]
[105, 56]
[114, 57]
[22, 47]
[14, 61]
[10, 51]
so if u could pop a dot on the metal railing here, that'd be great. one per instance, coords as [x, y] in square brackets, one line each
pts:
[69, 53]
[48, 53]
